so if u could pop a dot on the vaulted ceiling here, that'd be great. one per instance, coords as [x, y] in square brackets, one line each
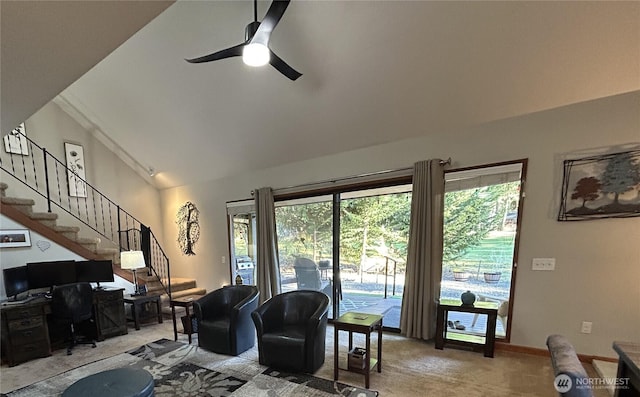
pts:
[373, 72]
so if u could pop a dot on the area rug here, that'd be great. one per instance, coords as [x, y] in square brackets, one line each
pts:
[187, 370]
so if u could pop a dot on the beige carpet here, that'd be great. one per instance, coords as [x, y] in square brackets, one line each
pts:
[409, 367]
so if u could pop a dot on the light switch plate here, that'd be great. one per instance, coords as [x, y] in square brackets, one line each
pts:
[543, 264]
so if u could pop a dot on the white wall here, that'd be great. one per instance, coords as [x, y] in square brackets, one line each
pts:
[597, 276]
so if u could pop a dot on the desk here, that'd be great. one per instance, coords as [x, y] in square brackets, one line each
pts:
[27, 334]
[441, 327]
[24, 333]
[186, 302]
[362, 323]
[138, 303]
[628, 368]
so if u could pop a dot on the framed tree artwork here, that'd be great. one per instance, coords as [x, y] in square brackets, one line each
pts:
[76, 171]
[603, 186]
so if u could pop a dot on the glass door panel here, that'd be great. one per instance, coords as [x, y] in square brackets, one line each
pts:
[374, 233]
[305, 237]
[481, 211]
[243, 247]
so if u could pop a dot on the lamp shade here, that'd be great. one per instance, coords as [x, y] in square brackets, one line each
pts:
[131, 260]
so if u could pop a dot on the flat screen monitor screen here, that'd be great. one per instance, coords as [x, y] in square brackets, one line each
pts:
[15, 280]
[48, 274]
[94, 271]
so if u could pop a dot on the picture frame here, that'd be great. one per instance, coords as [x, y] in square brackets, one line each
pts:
[76, 172]
[602, 186]
[12, 238]
[16, 141]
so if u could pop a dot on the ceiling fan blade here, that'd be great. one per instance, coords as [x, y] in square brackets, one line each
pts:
[234, 51]
[282, 67]
[271, 19]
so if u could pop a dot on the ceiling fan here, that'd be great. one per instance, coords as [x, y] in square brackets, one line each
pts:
[255, 50]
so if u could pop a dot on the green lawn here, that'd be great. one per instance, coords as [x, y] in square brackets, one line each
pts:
[491, 249]
[493, 253]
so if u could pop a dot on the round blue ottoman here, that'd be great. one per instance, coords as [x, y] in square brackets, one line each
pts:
[120, 382]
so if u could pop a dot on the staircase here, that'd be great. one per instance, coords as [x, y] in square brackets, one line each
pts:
[22, 211]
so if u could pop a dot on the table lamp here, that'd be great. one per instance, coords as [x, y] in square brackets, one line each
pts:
[132, 260]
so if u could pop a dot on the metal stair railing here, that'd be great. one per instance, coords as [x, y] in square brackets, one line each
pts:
[47, 176]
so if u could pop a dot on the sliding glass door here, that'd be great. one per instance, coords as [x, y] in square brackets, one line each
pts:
[371, 229]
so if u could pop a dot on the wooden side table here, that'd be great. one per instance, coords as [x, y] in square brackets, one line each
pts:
[186, 302]
[441, 327]
[362, 323]
[137, 303]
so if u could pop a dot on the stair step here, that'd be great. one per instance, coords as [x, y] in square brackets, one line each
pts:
[108, 251]
[23, 205]
[65, 229]
[70, 232]
[46, 218]
[164, 299]
[177, 283]
[187, 292]
[17, 201]
[88, 241]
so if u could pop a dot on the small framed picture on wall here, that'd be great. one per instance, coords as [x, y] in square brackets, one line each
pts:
[16, 141]
[76, 173]
[11, 238]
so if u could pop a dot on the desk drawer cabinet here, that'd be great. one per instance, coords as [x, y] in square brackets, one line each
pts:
[109, 313]
[24, 333]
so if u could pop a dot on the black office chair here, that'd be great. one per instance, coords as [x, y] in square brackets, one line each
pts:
[72, 304]
[224, 319]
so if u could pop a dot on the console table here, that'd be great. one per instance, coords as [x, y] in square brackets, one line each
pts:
[362, 323]
[441, 327]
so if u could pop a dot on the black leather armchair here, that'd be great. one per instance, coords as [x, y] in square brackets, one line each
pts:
[224, 319]
[72, 304]
[291, 329]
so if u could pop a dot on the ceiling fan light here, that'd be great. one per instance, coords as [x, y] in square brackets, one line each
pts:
[255, 54]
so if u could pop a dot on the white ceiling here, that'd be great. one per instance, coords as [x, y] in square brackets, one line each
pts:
[373, 72]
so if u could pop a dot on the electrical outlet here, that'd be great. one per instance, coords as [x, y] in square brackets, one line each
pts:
[543, 264]
[586, 327]
[223, 259]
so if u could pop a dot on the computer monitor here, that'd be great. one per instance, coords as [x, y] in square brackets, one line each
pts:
[94, 271]
[15, 281]
[48, 274]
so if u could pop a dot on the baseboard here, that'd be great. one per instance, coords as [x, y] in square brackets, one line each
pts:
[585, 358]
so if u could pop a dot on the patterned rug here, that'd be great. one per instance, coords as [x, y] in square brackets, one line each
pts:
[186, 370]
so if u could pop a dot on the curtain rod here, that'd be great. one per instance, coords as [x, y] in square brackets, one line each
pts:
[348, 178]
